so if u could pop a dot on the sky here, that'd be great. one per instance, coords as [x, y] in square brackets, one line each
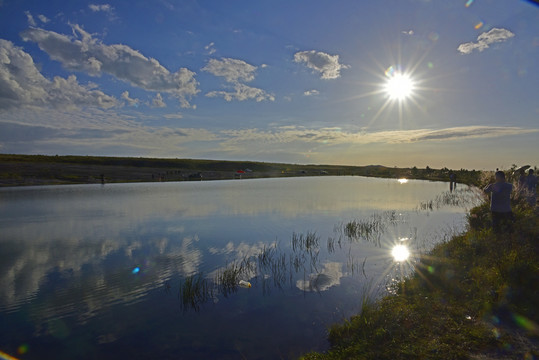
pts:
[397, 83]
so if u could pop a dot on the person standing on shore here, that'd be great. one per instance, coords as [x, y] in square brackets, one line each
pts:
[500, 203]
[531, 187]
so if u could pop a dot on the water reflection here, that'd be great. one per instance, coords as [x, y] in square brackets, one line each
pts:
[400, 253]
[84, 256]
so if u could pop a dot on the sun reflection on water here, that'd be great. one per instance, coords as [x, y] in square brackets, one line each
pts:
[403, 181]
[400, 253]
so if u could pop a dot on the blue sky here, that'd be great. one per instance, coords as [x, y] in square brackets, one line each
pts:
[280, 81]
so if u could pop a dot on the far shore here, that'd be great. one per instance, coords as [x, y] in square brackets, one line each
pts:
[36, 170]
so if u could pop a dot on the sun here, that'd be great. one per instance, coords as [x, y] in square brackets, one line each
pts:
[399, 86]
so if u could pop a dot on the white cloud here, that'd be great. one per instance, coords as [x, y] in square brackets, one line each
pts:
[210, 48]
[22, 84]
[43, 18]
[130, 101]
[233, 70]
[327, 65]
[102, 7]
[408, 32]
[82, 52]
[30, 18]
[495, 35]
[312, 92]
[329, 276]
[158, 101]
[243, 92]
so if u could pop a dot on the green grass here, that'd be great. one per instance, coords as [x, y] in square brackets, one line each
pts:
[469, 295]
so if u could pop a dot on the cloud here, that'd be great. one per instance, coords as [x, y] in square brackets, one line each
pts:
[327, 65]
[158, 101]
[233, 70]
[130, 101]
[408, 32]
[210, 48]
[239, 140]
[311, 92]
[495, 35]
[103, 7]
[330, 275]
[82, 52]
[243, 92]
[43, 18]
[30, 18]
[22, 84]
[173, 116]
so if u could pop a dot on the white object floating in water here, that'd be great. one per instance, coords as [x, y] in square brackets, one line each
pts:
[245, 284]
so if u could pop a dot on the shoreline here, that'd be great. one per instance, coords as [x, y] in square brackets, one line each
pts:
[40, 170]
[471, 297]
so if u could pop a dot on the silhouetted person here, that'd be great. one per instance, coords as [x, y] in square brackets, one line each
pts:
[102, 178]
[452, 181]
[531, 187]
[500, 203]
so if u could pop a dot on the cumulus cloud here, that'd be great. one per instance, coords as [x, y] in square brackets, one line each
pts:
[327, 65]
[311, 92]
[22, 84]
[492, 36]
[233, 70]
[243, 92]
[130, 101]
[236, 71]
[158, 101]
[82, 52]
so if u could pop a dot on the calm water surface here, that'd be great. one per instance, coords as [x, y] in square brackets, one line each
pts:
[99, 272]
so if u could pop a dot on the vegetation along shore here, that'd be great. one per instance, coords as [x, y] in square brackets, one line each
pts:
[17, 170]
[475, 296]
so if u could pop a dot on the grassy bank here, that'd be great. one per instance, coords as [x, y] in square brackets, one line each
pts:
[475, 296]
[17, 170]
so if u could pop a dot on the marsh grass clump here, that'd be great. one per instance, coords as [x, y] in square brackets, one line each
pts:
[194, 291]
[459, 198]
[473, 294]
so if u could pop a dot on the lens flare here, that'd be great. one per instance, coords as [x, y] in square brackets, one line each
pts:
[400, 253]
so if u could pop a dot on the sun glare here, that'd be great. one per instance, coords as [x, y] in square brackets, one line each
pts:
[399, 86]
[400, 253]
[403, 181]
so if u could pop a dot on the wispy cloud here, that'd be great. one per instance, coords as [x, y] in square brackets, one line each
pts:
[312, 92]
[327, 65]
[210, 48]
[101, 7]
[492, 36]
[30, 19]
[82, 52]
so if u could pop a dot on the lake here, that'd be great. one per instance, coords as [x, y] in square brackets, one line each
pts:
[152, 270]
